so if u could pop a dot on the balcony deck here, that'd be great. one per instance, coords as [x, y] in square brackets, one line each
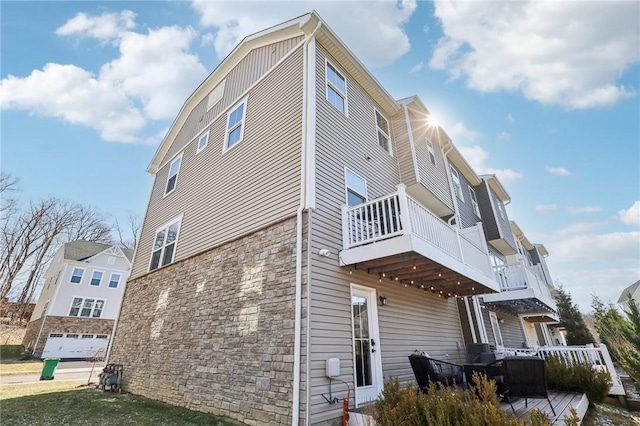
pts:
[523, 292]
[401, 240]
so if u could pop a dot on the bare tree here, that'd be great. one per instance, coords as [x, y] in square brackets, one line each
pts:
[128, 237]
[8, 186]
[28, 240]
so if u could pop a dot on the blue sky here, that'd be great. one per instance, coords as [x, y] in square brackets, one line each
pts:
[544, 94]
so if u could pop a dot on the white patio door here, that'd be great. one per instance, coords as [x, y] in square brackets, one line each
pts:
[366, 344]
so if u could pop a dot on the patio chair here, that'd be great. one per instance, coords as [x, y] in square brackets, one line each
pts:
[475, 350]
[428, 369]
[525, 377]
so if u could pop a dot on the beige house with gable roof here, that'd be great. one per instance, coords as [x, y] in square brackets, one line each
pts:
[302, 224]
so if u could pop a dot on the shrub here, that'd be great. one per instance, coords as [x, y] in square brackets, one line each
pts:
[12, 352]
[582, 378]
[440, 405]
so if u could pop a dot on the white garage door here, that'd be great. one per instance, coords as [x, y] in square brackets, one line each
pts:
[72, 345]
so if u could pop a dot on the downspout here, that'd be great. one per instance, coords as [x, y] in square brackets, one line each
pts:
[448, 147]
[295, 416]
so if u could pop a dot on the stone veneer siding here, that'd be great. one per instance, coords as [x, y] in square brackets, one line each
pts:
[215, 332]
[53, 324]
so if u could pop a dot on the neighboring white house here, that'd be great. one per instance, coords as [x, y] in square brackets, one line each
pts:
[79, 302]
[630, 293]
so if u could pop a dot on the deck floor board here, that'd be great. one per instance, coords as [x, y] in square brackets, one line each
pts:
[561, 403]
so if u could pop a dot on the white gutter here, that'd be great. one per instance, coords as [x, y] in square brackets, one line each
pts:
[448, 147]
[295, 415]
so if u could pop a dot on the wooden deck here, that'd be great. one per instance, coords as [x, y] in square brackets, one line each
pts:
[561, 402]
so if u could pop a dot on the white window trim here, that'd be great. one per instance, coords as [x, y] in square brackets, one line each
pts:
[342, 74]
[81, 277]
[346, 186]
[111, 278]
[431, 152]
[177, 158]
[101, 278]
[198, 148]
[166, 226]
[496, 328]
[242, 123]
[457, 184]
[474, 201]
[95, 300]
[389, 150]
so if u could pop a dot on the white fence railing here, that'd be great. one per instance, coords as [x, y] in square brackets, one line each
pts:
[598, 357]
[399, 214]
[518, 276]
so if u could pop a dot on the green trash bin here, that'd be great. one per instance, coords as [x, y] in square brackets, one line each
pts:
[49, 368]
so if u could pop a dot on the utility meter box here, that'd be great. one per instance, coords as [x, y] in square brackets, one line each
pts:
[333, 367]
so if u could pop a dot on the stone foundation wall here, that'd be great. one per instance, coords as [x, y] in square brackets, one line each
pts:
[53, 324]
[215, 332]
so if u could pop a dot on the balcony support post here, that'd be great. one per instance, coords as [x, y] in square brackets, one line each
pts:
[405, 214]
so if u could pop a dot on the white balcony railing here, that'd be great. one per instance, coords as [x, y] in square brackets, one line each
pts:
[598, 357]
[399, 214]
[518, 276]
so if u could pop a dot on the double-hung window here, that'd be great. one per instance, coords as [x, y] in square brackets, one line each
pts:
[88, 308]
[336, 88]
[164, 245]
[457, 188]
[383, 132]
[114, 280]
[235, 125]
[203, 140]
[356, 188]
[96, 278]
[172, 178]
[474, 201]
[432, 152]
[76, 275]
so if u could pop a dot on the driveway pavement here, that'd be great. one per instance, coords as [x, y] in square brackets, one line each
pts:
[66, 371]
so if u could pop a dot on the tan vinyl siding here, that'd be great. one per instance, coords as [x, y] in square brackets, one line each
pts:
[257, 182]
[413, 317]
[510, 329]
[246, 73]
[434, 178]
[403, 149]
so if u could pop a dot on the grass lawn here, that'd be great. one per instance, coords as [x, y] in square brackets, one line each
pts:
[19, 368]
[73, 403]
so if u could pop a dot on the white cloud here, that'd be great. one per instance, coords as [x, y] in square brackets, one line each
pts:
[631, 216]
[417, 67]
[148, 81]
[505, 136]
[584, 209]
[104, 27]
[578, 228]
[74, 95]
[156, 69]
[207, 39]
[545, 208]
[477, 157]
[607, 249]
[510, 118]
[459, 132]
[562, 53]
[558, 171]
[357, 23]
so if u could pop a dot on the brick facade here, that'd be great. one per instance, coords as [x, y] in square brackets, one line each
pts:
[215, 332]
[54, 324]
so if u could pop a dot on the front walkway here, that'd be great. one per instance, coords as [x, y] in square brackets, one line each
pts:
[561, 403]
